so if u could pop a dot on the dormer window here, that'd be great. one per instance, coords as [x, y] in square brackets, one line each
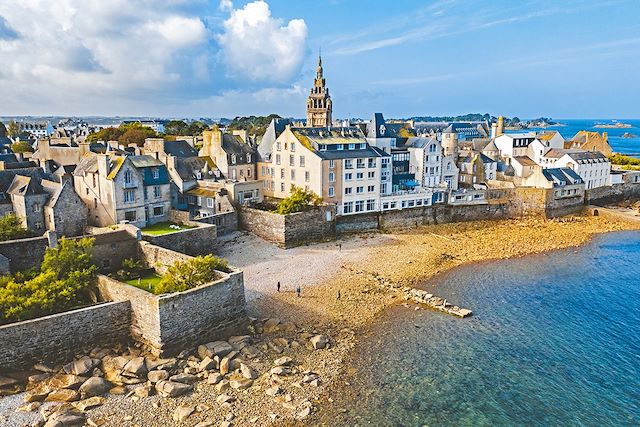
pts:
[156, 173]
[233, 159]
[248, 158]
[352, 146]
[128, 177]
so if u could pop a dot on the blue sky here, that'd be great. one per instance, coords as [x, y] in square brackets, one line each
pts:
[564, 59]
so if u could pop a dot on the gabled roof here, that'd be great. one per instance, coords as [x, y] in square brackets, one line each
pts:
[585, 155]
[25, 185]
[524, 160]
[559, 175]
[547, 135]
[180, 148]
[145, 161]
[187, 167]
[420, 142]
[491, 146]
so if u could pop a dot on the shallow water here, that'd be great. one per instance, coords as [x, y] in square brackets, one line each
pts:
[554, 341]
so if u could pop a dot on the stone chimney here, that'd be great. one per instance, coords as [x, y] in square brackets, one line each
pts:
[103, 164]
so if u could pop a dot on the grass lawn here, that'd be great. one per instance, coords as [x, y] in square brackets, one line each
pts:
[148, 282]
[162, 228]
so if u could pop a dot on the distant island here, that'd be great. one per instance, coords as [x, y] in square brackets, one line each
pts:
[628, 135]
[510, 123]
[616, 125]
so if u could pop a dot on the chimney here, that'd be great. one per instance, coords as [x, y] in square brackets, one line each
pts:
[103, 164]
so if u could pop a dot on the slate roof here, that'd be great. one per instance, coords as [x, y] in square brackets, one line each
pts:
[558, 175]
[524, 160]
[586, 155]
[7, 176]
[187, 167]
[180, 148]
[25, 185]
[9, 158]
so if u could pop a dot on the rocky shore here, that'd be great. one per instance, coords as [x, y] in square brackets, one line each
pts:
[291, 361]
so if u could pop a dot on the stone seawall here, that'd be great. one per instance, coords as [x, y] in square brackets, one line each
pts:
[193, 241]
[291, 230]
[620, 193]
[57, 338]
[24, 254]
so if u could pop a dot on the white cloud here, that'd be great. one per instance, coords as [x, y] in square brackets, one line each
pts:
[259, 47]
[225, 5]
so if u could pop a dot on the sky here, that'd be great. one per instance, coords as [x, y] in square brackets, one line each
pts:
[200, 58]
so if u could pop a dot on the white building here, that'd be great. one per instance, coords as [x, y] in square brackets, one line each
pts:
[592, 166]
[514, 144]
[431, 167]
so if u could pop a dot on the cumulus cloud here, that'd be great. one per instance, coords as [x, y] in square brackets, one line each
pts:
[226, 5]
[257, 46]
[6, 32]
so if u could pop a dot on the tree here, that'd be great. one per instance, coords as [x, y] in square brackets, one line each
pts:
[66, 275]
[299, 200]
[3, 130]
[11, 228]
[13, 129]
[21, 147]
[185, 275]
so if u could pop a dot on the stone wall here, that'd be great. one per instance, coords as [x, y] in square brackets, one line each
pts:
[24, 254]
[113, 247]
[602, 196]
[225, 222]
[192, 241]
[291, 230]
[57, 338]
[159, 258]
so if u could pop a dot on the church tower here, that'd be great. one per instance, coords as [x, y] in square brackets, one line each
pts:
[319, 102]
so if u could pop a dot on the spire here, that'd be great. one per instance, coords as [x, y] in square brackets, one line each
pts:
[319, 68]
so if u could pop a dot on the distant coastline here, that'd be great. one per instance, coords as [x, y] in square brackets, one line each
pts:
[618, 125]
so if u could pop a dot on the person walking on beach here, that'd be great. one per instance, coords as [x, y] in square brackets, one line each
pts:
[298, 291]
[338, 296]
[340, 247]
[278, 286]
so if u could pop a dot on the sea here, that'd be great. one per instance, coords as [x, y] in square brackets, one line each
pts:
[629, 146]
[554, 340]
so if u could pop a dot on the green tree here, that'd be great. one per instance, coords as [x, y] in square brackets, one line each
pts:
[21, 147]
[299, 200]
[11, 228]
[66, 275]
[185, 275]
[13, 129]
[3, 130]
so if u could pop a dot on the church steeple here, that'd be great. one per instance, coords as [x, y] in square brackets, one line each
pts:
[319, 106]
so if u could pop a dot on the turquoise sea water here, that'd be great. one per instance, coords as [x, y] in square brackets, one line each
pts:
[630, 146]
[554, 341]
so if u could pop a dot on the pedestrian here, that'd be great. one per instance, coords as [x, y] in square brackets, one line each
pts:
[278, 286]
[339, 247]
[298, 291]
[338, 297]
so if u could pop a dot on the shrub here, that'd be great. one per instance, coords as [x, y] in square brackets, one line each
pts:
[131, 269]
[299, 200]
[21, 147]
[11, 228]
[185, 275]
[627, 162]
[65, 277]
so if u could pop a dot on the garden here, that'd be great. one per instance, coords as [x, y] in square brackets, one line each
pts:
[162, 228]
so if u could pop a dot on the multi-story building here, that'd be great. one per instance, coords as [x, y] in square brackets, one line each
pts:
[431, 167]
[592, 166]
[116, 188]
[514, 144]
[338, 164]
[233, 155]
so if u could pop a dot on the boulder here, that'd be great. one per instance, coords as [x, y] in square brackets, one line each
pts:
[82, 367]
[250, 352]
[319, 341]
[143, 391]
[38, 393]
[155, 376]
[65, 419]
[287, 326]
[240, 383]
[280, 370]
[214, 378]
[43, 368]
[273, 391]
[281, 342]
[283, 361]
[29, 407]
[304, 413]
[216, 348]
[66, 381]
[171, 388]
[94, 386]
[183, 412]
[160, 364]
[223, 386]
[240, 341]
[36, 379]
[184, 378]
[225, 398]
[315, 383]
[135, 367]
[63, 395]
[118, 390]
[271, 325]
[89, 403]
[225, 363]
[248, 372]
[208, 364]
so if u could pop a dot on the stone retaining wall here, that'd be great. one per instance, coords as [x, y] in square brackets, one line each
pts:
[602, 196]
[57, 338]
[291, 230]
[24, 254]
[192, 241]
[157, 257]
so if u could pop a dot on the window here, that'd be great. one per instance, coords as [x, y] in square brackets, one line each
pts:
[348, 190]
[210, 203]
[293, 174]
[383, 188]
[352, 146]
[332, 177]
[360, 163]
[156, 192]
[249, 173]
[332, 164]
[347, 207]
[432, 148]
[359, 175]
[301, 161]
[371, 205]
[293, 147]
[248, 158]
[371, 163]
[36, 207]
[340, 147]
[411, 203]
[129, 196]
[95, 203]
[360, 206]
[371, 175]
[307, 176]
[292, 160]
[158, 211]
[348, 164]
[130, 215]
[360, 189]
[282, 186]
[128, 177]
[281, 173]
[371, 188]
[155, 172]
[278, 146]
[385, 205]
[348, 176]
[332, 192]
[277, 159]
[38, 225]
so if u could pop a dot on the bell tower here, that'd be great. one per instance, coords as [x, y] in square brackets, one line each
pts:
[319, 103]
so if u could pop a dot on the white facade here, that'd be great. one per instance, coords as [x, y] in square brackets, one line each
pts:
[514, 144]
[361, 185]
[431, 167]
[593, 167]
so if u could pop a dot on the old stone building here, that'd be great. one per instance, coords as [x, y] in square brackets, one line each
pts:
[319, 106]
